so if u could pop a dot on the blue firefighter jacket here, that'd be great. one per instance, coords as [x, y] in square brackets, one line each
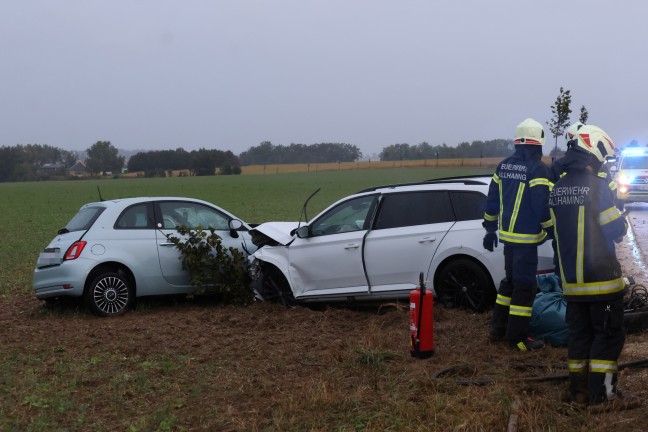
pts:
[586, 223]
[518, 196]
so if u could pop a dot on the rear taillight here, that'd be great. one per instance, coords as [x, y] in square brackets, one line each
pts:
[74, 251]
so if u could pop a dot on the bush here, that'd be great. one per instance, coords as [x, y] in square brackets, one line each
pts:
[212, 267]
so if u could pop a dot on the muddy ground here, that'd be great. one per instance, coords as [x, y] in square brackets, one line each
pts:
[195, 365]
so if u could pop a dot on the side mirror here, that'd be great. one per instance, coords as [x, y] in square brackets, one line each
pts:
[235, 225]
[303, 232]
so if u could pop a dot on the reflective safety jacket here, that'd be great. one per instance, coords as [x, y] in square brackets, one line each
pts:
[517, 198]
[586, 223]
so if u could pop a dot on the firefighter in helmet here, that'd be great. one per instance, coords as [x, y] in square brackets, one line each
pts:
[586, 225]
[558, 170]
[517, 205]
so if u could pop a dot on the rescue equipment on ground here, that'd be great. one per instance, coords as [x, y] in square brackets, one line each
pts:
[421, 321]
[548, 313]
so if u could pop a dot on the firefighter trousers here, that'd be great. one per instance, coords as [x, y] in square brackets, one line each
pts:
[516, 293]
[596, 338]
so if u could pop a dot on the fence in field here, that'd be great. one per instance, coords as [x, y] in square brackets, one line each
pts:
[366, 165]
[362, 165]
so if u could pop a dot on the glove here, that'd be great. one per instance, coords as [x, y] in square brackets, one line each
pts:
[490, 241]
[550, 233]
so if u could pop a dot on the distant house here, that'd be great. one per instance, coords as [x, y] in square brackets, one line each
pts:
[79, 169]
[52, 168]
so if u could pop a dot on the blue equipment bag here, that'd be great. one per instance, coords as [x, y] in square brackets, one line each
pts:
[548, 313]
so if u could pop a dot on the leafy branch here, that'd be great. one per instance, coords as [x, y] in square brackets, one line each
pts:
[213, 267]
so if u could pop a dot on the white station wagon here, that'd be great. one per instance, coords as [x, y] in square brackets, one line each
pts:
[375, 244]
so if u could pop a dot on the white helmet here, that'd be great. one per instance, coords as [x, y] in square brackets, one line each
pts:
[529, 132]
[594, 140]
[571, 130]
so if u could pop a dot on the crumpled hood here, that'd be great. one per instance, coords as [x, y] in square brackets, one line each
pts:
[280, 232]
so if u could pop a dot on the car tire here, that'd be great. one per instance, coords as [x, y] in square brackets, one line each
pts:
[464, 283]
[275, 287]
[109, 294]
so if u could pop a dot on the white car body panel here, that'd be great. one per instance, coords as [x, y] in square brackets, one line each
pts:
[332, 267]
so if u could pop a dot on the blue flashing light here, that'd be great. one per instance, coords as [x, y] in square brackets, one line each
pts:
[635, 151]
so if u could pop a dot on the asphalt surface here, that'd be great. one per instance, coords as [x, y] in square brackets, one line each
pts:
[637, 238]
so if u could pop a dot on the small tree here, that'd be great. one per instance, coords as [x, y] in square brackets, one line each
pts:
[583, 115]
[103, 157]
[213, 267]
[561, 111]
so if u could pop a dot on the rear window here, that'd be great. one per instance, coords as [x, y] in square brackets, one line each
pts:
[414, 208]
[468, 205]
[84, 219]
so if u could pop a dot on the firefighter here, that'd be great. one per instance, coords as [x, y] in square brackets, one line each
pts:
[517, 205]
[586, 225]
[558, 170]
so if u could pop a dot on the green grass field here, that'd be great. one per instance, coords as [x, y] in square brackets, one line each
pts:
[33, 212]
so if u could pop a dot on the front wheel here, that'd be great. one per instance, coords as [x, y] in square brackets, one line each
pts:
[275, 287]
[109, 294]
[463, 283]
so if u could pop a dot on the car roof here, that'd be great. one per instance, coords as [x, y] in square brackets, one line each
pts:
[125, 202]
[459, 183]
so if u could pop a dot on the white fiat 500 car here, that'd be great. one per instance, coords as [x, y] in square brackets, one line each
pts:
[376, 243]
[113, 251]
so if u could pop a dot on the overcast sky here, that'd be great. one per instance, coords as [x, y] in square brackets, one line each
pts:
[229, 74]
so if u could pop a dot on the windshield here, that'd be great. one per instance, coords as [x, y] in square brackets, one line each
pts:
[635, 162]
[84, 219]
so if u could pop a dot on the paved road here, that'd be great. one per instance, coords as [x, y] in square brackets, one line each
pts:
[637, 240]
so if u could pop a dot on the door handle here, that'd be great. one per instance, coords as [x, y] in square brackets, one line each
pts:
[166, 244]
[427, 240]
[352, 246]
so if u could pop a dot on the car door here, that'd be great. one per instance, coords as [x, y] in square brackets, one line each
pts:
[329, 259]
[408, 228]
[171, 214]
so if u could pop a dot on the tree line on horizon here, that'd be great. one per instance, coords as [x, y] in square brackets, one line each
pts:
[27, 162]
[41, 162]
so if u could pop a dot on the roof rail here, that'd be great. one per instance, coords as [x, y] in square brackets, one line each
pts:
[467, 180]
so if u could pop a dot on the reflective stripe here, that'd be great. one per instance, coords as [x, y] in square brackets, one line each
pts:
[603, 366]
[553, 218]
[501, 200]
[547, 224]
[496, 179]
[512, 237]
[612, 185]
[540, 182]
[602, 174]
[576, 366]
[580, 245]
[503, 300]
[490, 218]
[593, 288]
[516, 206]
[609, 215]
[523, 311]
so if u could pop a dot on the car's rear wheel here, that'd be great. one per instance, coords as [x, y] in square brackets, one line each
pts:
[275, 287]
[463, 283]
[109, 294]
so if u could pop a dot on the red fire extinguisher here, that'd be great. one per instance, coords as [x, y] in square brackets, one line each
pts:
[421, 322]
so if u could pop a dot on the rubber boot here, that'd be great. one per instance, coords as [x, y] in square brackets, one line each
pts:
[578, 392]
[499, 321]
